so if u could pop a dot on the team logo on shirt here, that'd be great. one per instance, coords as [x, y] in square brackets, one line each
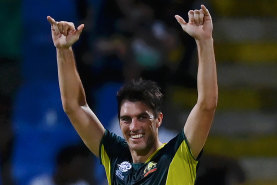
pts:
[150, 168]
[122, 168]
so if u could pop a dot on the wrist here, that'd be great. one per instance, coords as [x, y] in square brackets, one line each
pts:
[61, 45]
[64, 49]
[204, 41]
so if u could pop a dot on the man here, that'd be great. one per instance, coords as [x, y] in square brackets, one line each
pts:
[141, 158]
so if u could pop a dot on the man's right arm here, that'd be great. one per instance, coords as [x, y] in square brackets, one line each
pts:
[73, 96]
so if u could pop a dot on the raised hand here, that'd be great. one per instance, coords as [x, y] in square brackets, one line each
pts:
[200, 24]
[64, 34]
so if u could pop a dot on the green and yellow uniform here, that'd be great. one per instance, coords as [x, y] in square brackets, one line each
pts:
[171, 164]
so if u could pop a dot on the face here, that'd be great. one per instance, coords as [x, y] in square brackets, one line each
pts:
[139, 126]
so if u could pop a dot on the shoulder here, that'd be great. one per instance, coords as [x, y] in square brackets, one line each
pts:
[179, 144]
[110, 139]
[113, 144]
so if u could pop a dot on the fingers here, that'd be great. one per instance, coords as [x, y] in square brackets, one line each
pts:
[64, 27]
[60, 27]
[201, 17]
[191, 16]
[199, 23]
[197, 16]
[205, 10]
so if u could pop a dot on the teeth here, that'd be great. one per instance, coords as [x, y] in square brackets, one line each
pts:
[136, 136]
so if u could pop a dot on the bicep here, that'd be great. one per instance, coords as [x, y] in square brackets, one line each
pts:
[197, 128]
[88, 127]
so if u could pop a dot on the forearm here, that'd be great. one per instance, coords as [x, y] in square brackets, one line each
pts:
[72, 91]
[207, 75]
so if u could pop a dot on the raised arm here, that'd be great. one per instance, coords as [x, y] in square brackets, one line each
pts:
[73, 97]
[199, 121]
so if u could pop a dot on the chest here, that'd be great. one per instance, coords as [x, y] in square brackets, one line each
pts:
[152, 172]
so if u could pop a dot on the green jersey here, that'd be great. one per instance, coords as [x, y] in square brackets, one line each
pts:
[171, 164]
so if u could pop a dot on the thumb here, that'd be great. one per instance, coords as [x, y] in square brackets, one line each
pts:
[51, 20]
[180, 20]
[80, 29]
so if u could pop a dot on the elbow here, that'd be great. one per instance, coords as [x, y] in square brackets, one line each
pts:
[208, 104]
[68, 107]
[71, 107]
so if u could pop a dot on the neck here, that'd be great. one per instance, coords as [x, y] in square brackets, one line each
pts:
[142, 156]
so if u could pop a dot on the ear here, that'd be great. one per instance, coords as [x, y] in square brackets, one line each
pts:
[159, 119]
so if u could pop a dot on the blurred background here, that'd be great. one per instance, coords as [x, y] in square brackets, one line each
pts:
[125, 39]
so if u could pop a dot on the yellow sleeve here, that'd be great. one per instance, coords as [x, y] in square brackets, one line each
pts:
[182, 169]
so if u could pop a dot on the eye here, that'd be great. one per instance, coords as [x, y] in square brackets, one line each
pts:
[143, 117]
[125, 119]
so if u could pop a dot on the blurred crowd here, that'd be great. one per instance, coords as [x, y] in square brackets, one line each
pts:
[122, 39]
[129, 39]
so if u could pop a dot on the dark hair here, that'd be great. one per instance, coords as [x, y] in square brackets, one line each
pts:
[145, 91]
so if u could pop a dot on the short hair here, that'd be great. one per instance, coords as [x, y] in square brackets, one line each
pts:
[145, 91]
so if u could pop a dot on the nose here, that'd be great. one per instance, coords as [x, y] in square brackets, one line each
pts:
[134, 126]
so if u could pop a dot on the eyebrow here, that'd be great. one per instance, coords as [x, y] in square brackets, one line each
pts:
[143, 114]
[124, 116]
[140, 114]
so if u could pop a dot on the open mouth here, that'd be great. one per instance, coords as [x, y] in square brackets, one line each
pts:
[137, 136]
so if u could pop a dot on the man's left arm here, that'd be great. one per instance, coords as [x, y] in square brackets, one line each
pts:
[200, 119]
